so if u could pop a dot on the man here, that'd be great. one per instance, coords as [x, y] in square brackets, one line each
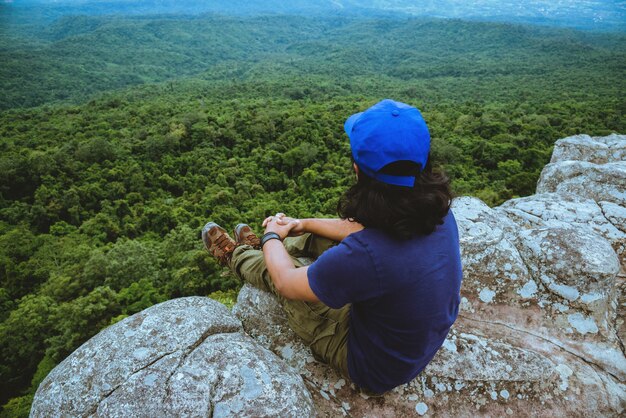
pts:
[384, 291]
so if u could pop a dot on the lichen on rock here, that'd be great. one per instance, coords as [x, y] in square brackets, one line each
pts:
[184, 357]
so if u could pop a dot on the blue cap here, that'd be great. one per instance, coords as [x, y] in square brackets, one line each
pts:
[387, 132]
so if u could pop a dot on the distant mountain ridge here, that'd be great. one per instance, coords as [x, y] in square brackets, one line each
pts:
[593, 14]
[77, 56]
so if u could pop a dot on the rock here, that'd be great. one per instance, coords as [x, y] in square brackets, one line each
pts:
[565, 210]
[598, 150]
[600, 182]
[486, 359]
[615, 142]
[574, 274]
[474, 210]
[593, 169]
[184, 357]
[492, 265]
[575, 271]
[616, 214]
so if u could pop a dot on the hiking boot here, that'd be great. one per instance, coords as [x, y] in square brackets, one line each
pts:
[218, 243]
[244, 235]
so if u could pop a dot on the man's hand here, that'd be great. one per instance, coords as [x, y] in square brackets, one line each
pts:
[278, 225]
[283, 225]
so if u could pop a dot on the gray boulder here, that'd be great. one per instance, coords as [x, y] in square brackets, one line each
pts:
[493, 269]
[576, 267]
[616, 214]
[568, 210]
[184, 357]
[600, 182]
[594, 169]
[575, 276]
[598, 150]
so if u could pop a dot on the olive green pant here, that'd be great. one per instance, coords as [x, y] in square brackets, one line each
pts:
[323, 329]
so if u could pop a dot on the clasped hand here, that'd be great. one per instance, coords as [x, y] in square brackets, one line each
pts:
[283, 225]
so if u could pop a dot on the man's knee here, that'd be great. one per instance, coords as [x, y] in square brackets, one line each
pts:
[297, 246]
[248, 264]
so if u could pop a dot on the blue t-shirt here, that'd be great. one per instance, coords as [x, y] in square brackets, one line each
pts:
[404, 296]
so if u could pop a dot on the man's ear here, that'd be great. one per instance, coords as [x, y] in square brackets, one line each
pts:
[356, 170]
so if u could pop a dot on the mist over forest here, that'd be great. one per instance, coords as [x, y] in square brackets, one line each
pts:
[126, 125]
[592, 14]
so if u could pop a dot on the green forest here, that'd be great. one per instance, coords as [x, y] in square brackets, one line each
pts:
[121, 137]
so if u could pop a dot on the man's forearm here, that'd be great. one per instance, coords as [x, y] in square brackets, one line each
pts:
[334, 229]
[290, 281]
[278, 263]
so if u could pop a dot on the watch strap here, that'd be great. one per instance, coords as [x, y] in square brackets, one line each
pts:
[268, 236]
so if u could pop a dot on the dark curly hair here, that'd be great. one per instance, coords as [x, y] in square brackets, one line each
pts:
[403, 212]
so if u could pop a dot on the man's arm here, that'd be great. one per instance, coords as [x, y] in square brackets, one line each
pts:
[334, 229]
[292, 282]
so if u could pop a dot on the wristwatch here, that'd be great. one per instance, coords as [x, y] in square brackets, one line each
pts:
[268, 236]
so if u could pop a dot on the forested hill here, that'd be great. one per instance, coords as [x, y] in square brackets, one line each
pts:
[121, 137]
[78, 56]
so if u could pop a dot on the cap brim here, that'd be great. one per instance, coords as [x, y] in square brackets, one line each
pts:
[350, 122]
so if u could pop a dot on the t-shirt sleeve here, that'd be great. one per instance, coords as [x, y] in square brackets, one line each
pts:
[344, 274]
